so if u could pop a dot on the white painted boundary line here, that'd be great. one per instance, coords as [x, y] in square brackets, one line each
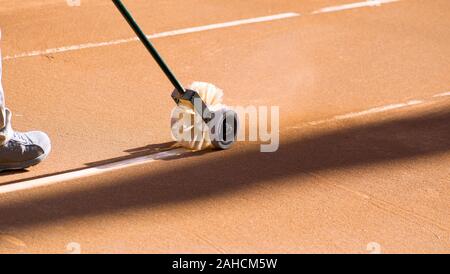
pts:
[374, 110]
[366, 112]
[368, 3]
[156, 35]
[442, 94]
[55, 179]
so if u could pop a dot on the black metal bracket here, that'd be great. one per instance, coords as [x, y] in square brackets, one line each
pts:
[193, 98]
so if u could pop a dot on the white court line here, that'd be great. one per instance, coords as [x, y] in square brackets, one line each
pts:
[366, 112]
[374, 110]
[55, 179]
[156, 35]
[442, 94]
[369, 3]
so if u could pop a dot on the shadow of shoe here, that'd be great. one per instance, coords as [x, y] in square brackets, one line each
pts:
[13, 172]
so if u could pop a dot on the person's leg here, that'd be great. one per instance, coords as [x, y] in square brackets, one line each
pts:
[5, 134]
[19, 150]
[2, 96]
[2, 100]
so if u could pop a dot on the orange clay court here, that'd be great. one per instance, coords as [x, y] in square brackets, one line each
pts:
[363, 164]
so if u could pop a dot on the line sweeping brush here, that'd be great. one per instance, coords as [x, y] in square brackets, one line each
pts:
[200, 120]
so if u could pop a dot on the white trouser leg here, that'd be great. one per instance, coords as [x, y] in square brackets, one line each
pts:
[2, 96]
[5, 116]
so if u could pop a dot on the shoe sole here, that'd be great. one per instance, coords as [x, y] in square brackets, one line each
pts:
[23, 165]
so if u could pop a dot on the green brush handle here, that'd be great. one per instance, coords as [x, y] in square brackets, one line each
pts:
[141, 35]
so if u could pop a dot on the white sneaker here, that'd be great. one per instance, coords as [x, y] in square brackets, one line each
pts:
[21, 150]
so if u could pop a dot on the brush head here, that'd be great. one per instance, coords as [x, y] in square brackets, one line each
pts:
[188, 128]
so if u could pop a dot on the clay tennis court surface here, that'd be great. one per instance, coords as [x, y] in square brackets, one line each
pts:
[364, 158]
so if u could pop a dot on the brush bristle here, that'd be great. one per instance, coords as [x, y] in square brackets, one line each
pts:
[188, 129]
